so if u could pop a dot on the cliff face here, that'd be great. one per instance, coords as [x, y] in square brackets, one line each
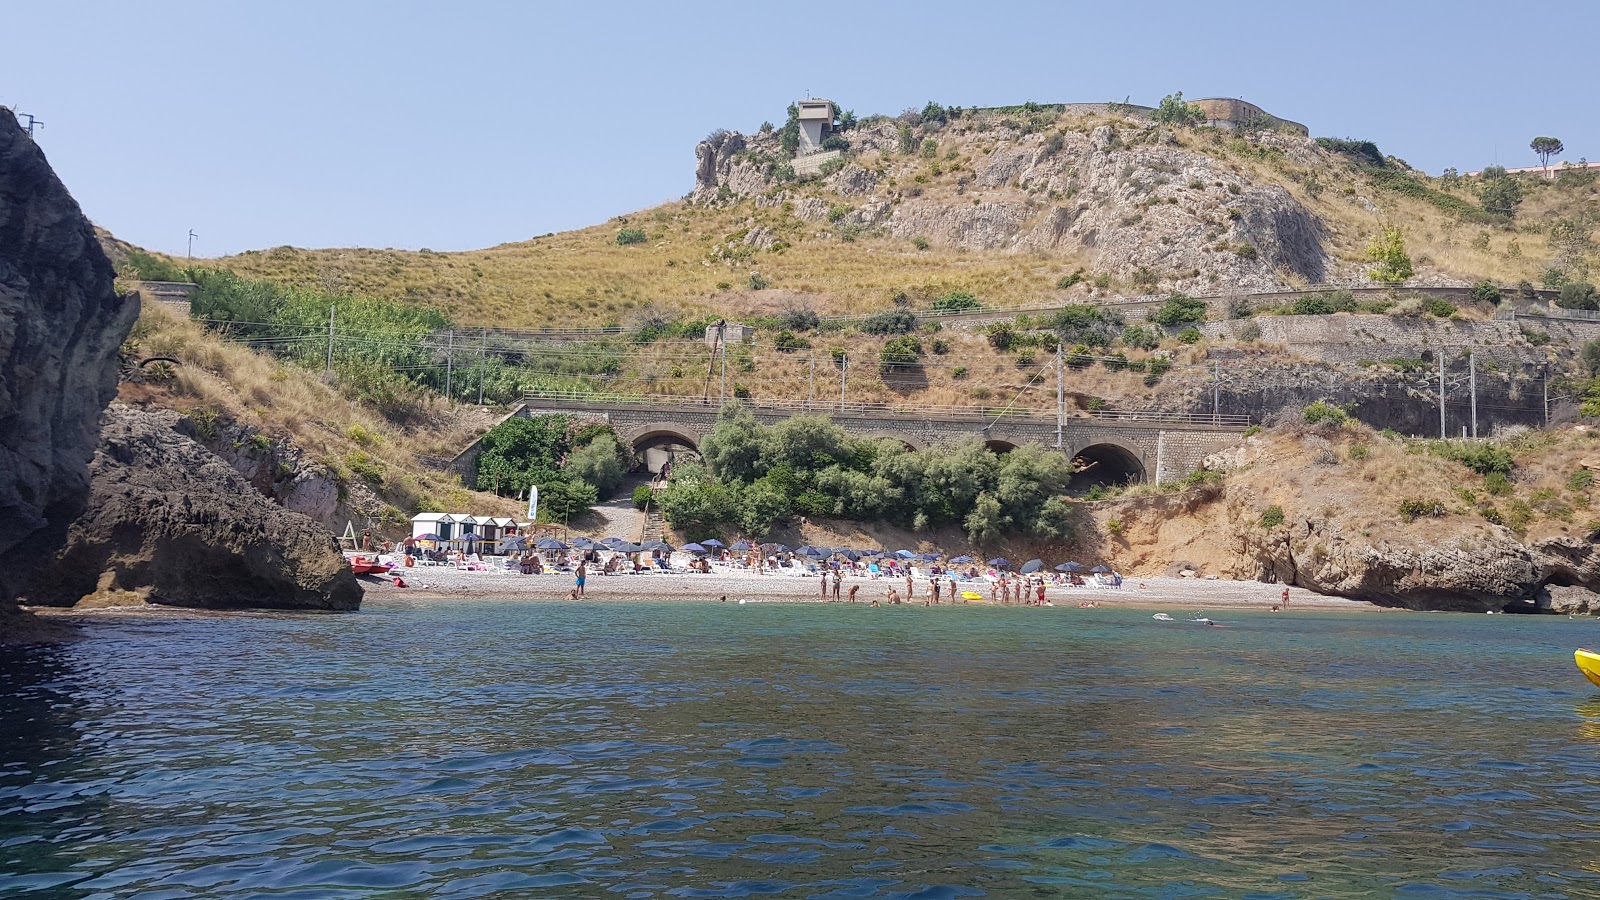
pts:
[170, 522]
[61, 324]
[1128, 196]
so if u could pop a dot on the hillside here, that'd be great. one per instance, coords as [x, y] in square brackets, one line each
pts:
[1001, 204]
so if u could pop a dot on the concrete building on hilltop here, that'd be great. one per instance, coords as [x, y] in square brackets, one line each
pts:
[816, 123]
[1240, 115]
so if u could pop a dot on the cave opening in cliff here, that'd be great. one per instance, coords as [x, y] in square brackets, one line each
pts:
[1105, 464]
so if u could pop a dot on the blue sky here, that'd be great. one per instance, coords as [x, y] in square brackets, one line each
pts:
[467, 124]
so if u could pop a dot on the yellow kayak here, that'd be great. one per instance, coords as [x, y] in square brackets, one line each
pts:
[1589, 664]
[975, 597]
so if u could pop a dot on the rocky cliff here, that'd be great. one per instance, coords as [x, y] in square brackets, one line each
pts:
[1124, 194]
[170, 522]
[61, 324]
[1347, 512]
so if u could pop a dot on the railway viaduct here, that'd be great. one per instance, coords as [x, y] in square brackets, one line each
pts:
[1123, 446]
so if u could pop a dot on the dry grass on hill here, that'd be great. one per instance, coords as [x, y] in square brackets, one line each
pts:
[285, 401]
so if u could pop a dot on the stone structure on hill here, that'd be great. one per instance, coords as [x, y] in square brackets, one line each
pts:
[170, 522]
[61, 325]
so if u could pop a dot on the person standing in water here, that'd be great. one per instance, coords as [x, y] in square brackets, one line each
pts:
[837, 578]
[910, 591]
[824, 595]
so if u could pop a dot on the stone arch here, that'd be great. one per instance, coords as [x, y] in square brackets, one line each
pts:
[880, 435]
[657, 443]
[1108, 463]
[999, 446]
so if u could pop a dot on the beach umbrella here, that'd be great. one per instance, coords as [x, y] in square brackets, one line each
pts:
[583, 543]
[1031, 566]
[693, 548]
[625, 547]
[469, 537]
[1068, 567]
[613, 541]
[929, 557]
[514, 543]
[813, 552]
[847, 553]
[742, 546]
[905, 554]
[663, 546]
[961, 560]
[430, 536]
[1099, 570]
[549, 543]
[712, 542]
[1000, 562]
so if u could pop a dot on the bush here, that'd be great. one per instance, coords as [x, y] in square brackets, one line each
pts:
[956, 301]
[930, 148]
[1578, 295]
[1580, 480]
[894, 321]
[1387, 251]
[1323, 304]
[759, 282]
[799, 319]
[1000, 335]
[959, 372]
[1325, 413]
[901, 352]
[1362, 151]
[1068, 281]
[1486, 292]
[1412, 509]
[1485, 459]
[1084, 325]
[1140, 338]
[630, 236]
[1180, 309]
[599, 463]
[563, 498]
[940, 346]
[1174, 111]
[1190, 335]
[919, 242]
[1497, 484]
[1438, 306]
[642, 495]
[1272, 517]
[787, 342]
[1252, 431]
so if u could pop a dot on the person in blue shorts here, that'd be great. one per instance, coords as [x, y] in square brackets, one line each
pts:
[583, 572]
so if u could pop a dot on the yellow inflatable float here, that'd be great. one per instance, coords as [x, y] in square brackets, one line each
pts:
[1589, 664]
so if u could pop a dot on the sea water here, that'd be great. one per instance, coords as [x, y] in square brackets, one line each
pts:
[674, 749]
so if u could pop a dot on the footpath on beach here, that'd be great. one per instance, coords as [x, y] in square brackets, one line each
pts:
[448, 582]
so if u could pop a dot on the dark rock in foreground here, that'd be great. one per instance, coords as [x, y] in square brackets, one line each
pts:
[170, 522]
[61, 325]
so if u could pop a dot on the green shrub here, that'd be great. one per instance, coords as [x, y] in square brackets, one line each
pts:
[365, 467]
[1412, 509]
[1068, 281]
[901, 352]
[1580, 480]
[1272, 517]
[893, 321]
[787, 342]
[628, 236]
[641, 496]
[1140, 338]
[1578, 295]
[1000, 335]
[1359, 452]
[956, 301]
[919, 242]
[1114, 526]
[1252, 431]
[1190, 335]
[959, 372]
[1174, 111]
[1482, 458]
[1486, 292]
[1362, 151]
[1323, 303]
[1180, 309]
[939, 346]
[1024, 359]
[1324, 413]
[1497, 484]
[930, 148]
[759, 282]
[1535, 337]
[1440, 307]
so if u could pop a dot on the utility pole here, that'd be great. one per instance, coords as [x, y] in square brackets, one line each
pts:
[722, 342]
[1061, 400]
[1472, 386]
[1442, 434]
[1216, 391]
[483, 364]
[1544, 376]
[449, 362]
[189, 254]
[31, 124]
[844, 366]
[811, 389]
[331, 308]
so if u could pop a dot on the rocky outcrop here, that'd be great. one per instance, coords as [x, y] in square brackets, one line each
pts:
[61, 325]
[170, 522]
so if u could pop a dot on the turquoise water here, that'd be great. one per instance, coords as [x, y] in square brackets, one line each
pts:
[478, 749]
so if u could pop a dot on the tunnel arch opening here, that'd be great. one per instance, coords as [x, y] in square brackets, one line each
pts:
[1107, 465]
[999, 446]
[656, 448]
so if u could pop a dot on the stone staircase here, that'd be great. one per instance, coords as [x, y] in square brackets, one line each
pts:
[655, 527]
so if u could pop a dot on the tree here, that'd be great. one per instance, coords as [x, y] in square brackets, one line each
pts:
[733, 448]
[1180, 309]
[1546, 147]
[1501, 195]
[1173, 111]
[761, 506]
[599, 463]
[563, 498]
[1578, 295]
[523, 451]
[985, 522]
[1591, 357]
[1388, 251]
[804, 443]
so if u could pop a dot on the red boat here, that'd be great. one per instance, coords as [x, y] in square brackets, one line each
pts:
[362, 565]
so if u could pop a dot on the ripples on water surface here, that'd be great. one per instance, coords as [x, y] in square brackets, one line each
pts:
[671, 750]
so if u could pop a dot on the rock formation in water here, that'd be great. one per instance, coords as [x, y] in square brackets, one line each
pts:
[172, 523]
[61, 324]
